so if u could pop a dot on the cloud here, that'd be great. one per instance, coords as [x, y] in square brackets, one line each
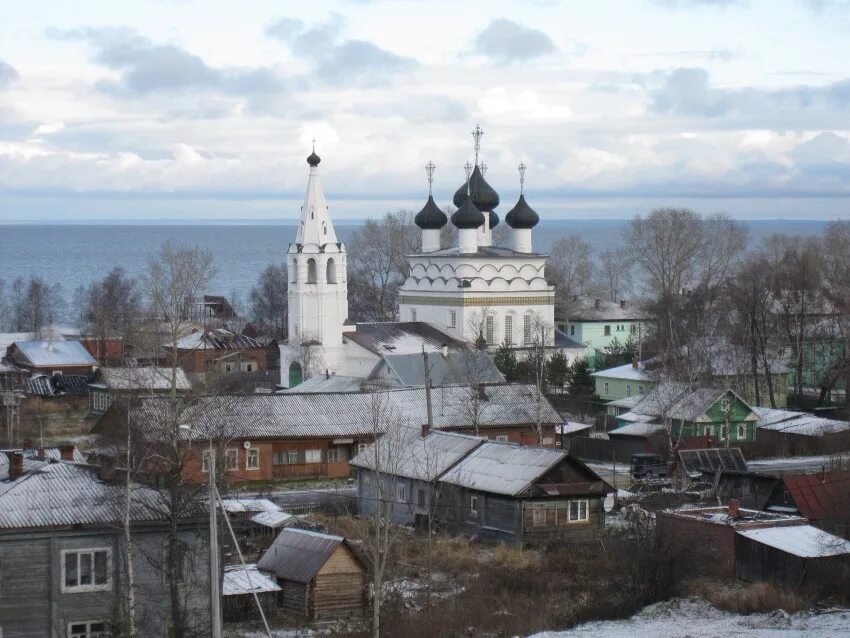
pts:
[148, 67]
[689, 4]
[337, 60]
[8, 74]
[506, 41]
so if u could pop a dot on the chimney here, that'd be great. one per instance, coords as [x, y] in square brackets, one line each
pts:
[596, 304]
[734, 508]
[635, 363]
[622, 303]
[66, 452]
[16, 465]
[41, 455]
[426, 430]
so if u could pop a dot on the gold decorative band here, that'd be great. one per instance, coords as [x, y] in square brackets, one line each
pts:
[477, 301]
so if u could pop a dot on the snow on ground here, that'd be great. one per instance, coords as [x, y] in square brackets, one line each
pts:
[695, 618]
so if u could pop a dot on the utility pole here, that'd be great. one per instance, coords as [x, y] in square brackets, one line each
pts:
[215, 575]
[428, 389]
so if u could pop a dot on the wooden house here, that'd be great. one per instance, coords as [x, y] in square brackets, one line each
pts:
[321, 576]
[112, 383]
[51, 357]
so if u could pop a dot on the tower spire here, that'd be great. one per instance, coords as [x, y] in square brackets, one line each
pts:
[429, 171]
[521, 168]
[476, 136]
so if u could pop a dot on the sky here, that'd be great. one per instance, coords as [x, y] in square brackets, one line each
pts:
[206, 109]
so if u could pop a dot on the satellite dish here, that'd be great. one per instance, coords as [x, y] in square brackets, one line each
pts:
[608, 503]
[247, 445]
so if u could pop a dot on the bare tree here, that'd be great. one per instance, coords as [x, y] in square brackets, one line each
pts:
[614, 274]
[836, 282]
[269, 307]
[570, 269]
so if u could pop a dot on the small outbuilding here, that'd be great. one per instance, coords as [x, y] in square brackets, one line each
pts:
[239, 585]
[321, 575]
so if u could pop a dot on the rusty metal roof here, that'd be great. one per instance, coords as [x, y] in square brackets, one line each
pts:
[820, 496]
[298, 554]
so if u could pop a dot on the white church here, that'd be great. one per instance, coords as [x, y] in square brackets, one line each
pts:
[454, 296]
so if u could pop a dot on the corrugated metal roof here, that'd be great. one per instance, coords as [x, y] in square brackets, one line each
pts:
[502, 468]
[590, 309]
[401, 337]
[636, 429]
[59, 494]
[218, 339]
[571, 427]
[712, 459]
[58, 385]
[627, 372]
[800, 423]
[55, 353]
[805, 541]
[351, 414]
[460, 366]
[820, 496]
[273, 519]
[239, 505]
[239, 580]
[405, 452]
[146, 378]
[298, 554]
[331, 383]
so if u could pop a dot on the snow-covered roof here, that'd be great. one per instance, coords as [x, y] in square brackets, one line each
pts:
[239, 580]
[637, 429]
[626, 372]
[626, 402]
[217, 339]
[459, 366]
[571, 426]
[332, 383]
[503, 468]
[401, 337]
[56, 333]
[238, 505]
[272, 519]
[799, 423]
[147, 378]
[805, 541]
[55, 353]
[591, 309]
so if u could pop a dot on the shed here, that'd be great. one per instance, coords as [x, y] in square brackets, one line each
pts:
[268, 523]
[238, 587]
[790, 556]
[320, 574]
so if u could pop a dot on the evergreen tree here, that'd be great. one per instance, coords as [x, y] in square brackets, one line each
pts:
[581, 383]
[557, 370]
[506, 361]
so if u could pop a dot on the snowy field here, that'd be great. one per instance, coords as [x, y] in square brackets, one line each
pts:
[694, 618]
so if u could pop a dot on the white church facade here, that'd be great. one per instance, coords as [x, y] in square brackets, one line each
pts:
[454, 295]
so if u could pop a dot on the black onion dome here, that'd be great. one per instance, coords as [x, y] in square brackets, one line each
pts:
[430, 217]
[494, 219]
[468, 216]
[483, 195]
[313, 159]
[522, 215]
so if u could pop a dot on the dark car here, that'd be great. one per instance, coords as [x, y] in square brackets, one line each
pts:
[649, 466]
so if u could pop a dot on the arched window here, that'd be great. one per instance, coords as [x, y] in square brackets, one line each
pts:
[324, 228]
[331, 273]
[296, 374]
[526, 329]
[293, 272]
[509, 329]
[311, 271]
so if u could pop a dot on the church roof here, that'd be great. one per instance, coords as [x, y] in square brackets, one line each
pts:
[483, 195]
[430, 217]
[315, 226]
[401, 337]
[483, 252]
[522, 215]
[468, 215]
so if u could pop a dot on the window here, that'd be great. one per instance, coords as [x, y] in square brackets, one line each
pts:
[311, 271]
[708, 431]
[413, 314]
[100, 401]
[633, 328]
[578, 511]
[452, 318]
[361, 447]
[205, 461]
[331, 271]
[293, 271]
[231, 459]
[526, 329]
[473, 506]
[87, 629]
[490, 329]
[85, 570]
[628, 389]
[607, 331]
[742, 431]
[509, 329]
[606, 388]
[314, 456]
[503, 438]
[293, 456]
[334, 455]
[572, 331]
[228, 367]
[249, 367]
[57, 373]
[640, 389]
[401, 492]
[252, 459]
[538, 515]
[420, 498]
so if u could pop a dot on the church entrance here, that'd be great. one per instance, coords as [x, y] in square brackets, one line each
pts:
[296, 375]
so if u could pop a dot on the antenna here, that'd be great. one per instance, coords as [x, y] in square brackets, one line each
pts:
[429, 171]
[521, 168]
[476, 135]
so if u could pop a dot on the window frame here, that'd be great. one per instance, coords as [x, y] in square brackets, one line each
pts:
[606, 331]
[509, 329]
[311, 454]
[289, 457]
[527, 328]
[742, 431]
[473, 505]
[74, 589]
[452, 318]
[490, 329]
[334, 455]
[413, 314]
[628, 389]
[88, 629]
[538, 515]
[401, 492]
[205, 461]
[579, 502]
[252, 454]
[228, 466]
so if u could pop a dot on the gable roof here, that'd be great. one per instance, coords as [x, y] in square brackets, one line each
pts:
[238, 580]
[217, 339]
[298, 554]
[820, 496]
[800, 423]
[503, 468]
[677, 401]
[805, 541]
[405, 452]
[638, 428]
[53, 353]
[712, 459]
[627, 372]
[401, 337]
[591, 309]
[458, 367]
[142, 378]
[327, 383]
[58, 385]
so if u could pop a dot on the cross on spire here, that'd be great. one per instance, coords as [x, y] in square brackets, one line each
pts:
[476, 136]
[468, 168]
[521, 168]
[483, 168]
[429, 171]
[314, 144]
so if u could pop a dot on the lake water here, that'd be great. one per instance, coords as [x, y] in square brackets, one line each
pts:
[74, 255]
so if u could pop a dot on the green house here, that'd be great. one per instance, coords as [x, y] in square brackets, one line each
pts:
[597, 323]
[702, 412]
